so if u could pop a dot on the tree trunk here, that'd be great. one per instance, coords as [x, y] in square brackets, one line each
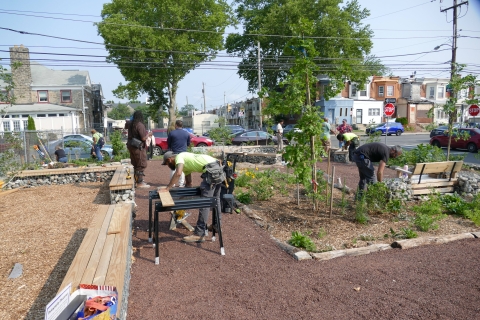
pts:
[172, 92]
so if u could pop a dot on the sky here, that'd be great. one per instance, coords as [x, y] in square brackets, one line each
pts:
[405, 34]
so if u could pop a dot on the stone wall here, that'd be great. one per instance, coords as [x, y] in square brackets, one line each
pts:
[271, 156]
[22, 76]
[468, 183]
[31, 182]
[399, 188]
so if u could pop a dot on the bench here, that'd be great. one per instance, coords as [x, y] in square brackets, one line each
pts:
[430, 177]
[122, 185]
[104, 256]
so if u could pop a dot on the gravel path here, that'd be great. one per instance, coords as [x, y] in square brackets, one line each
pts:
[257, 280]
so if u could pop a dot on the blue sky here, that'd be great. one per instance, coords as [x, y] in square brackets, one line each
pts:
[400, 28]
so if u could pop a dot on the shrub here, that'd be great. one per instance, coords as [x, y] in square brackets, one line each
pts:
[118, 145]
[300, 240]
[360, 212]
[409, 233]
[244, 197]
[263, 187]
[243, 180]
[419, 154]
[403, 121]
[428, 213]
[376, 197]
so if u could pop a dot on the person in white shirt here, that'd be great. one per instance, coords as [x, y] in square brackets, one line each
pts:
[280, 135]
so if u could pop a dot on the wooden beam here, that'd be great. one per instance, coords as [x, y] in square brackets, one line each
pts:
[429, 191]
[433, 184]
[119, 212]
[165, 197]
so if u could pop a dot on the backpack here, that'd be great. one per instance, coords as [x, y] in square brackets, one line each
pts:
[101, 141]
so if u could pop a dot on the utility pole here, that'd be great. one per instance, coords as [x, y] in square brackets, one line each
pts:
[204, 102]
[454, 59]
[259, 85]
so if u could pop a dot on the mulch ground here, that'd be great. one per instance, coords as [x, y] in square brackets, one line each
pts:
[257, 280]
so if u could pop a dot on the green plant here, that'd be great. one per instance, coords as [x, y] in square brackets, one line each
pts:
[409, 233]
[395, 205]
[374, 137]
[300, 240]
[9, 158]
[360, 211]
[263, 187]
[244, 197]
[376, 197]
[321, 233]
[421, 153]
[403, 121]
[367, 237]
[474, 215]
[117, 144]
[454, 204]
[425, 222]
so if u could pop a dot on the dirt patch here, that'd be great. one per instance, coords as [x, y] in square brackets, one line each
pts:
[42, 229]
[281, 215]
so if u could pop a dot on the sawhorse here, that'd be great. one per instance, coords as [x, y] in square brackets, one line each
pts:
[194, 203]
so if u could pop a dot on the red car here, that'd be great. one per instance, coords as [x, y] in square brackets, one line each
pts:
[161, 141]
[472, 144]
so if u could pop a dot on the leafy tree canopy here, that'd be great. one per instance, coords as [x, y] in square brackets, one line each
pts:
[186, 109]
[343, 43]
[156, 43]
[120, 112]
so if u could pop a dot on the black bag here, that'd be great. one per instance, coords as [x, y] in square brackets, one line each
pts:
[101, 141]
[215, 173]
[136, 143]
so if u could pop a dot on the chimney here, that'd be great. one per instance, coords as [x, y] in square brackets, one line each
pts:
[22, 75]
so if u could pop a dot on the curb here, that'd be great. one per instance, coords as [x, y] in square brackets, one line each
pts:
[301, 255]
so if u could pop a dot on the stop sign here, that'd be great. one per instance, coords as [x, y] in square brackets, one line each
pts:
[389, 109]
[474, 110]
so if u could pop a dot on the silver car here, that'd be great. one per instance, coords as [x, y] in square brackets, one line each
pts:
[79, 148]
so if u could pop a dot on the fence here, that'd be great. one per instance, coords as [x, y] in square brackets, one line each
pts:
[28, 147]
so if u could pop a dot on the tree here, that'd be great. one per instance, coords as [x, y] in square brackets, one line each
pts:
[31, 124]
[156, 43]
[456, 84]
[6, 92]
[343, 43]
[120, 112]
[186, 109]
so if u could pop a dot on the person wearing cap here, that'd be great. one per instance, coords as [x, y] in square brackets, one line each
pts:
[343, 128]
[96, 146]
[365, 156]
[212, 178]
[351, 141]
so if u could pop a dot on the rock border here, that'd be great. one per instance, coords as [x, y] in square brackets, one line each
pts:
[301, 255]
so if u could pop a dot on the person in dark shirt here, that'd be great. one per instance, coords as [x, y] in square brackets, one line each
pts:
[138, 156]
[178, 140]
[60, 154]
[364, 157]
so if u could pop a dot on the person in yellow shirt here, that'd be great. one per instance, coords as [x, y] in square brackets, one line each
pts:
[351, 141]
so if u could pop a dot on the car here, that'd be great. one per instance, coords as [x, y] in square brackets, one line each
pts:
[189, 130]
[288, 128]
[256, 137]
[235, 127]
[393, 128]
[78, 147]
[441, 129]
[161, 145]
[471, 144]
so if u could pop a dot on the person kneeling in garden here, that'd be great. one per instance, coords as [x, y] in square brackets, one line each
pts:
[349, 140]
[212, 175]
[364, 158]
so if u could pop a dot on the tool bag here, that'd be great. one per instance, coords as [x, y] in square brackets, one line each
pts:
[214, 173]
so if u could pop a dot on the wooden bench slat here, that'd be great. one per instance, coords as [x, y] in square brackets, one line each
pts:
[96, 253]
[119, 179]
[116, 176]
[118, 215]
[438, 167]
[428, 191]
[103, 264]
[75, 272]
[433, 184]
[118, 263]
[165, 197]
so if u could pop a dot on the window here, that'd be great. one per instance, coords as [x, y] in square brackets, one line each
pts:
[61, 114]
[374, 111]
[6, 126]
[441, 92]
[381, 91]
[431, 93]
[24, 115]
[25, 124]
[52, 115]
[160, 134]
[389, 91]
[42, 96]
[354, 89]
[16, 125]
[363, 93]
[66, 96]
[41, 115]
[341, 112]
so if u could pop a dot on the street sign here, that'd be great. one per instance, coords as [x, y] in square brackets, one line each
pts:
[390, 100]
[474, 110]
[389, 109]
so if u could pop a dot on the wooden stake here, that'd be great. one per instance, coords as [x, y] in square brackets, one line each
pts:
[331, 191]
[328, 176]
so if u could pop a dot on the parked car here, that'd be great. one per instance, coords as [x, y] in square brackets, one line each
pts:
[78, 147]
[233, 128]
[161, 141]
[441, 129]
[288, 128]
[393, 128]
[256, 137]
[471, 144]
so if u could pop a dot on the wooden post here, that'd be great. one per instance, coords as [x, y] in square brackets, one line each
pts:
[328, 175]
[312, 150]
[331, 192]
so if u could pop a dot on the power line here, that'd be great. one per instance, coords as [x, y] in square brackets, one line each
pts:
[387, 14]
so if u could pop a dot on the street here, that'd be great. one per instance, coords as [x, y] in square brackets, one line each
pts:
[410, 141]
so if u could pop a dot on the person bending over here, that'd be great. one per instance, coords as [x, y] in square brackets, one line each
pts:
[350, 141]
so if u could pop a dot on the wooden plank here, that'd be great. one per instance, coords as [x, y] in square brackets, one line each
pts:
[116, 176]
[428, 191]
[427, 179]
[165, 197]
[119, 179]
[79, 263]
[411, 243]
[92, 265]
[118, 261]
[433, 184]
[438, 167]
[125, 187]
[104, 263]
[119, 212]
[50, 172]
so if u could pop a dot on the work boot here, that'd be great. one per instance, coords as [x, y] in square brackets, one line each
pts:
[194, 238]
[211, 227]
